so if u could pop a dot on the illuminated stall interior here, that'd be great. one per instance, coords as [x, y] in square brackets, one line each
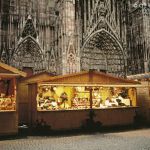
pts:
[85, 90]
[7, 94]
[8, 76]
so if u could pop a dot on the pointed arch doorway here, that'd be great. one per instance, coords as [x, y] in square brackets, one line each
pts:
[28, 54]
[102, 51]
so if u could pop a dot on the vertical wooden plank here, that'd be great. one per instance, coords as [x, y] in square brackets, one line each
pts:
[91, 101]
[32, 104]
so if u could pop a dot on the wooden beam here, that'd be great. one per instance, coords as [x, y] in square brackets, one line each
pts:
[8, 74]
[13, 70]
[95, 85]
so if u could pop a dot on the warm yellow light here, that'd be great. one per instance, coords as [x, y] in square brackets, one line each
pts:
[55, 88]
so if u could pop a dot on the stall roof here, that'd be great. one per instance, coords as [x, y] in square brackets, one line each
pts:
[9, 71]
[90, 77]
[37, 78]
[145, 76]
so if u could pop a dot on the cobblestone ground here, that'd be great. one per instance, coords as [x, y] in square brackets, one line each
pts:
[128, 140]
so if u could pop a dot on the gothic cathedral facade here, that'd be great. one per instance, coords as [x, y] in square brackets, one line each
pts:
[68, 36]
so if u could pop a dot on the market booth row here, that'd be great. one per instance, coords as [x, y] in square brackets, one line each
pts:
[66, 102]
[143, 95]
[8, 99]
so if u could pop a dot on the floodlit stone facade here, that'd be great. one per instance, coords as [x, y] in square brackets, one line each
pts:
[67, 36]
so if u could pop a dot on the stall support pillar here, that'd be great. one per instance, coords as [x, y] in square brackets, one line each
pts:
[91, 102]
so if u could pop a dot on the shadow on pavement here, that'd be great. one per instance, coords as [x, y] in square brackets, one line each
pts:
[24, 132]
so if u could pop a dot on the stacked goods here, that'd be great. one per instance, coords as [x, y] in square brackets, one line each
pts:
[7, 103]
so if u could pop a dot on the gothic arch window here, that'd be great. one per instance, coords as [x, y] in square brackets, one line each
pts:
[71, 62]
[52, 63]
[29, 29]
[71, 58]
[53, 66]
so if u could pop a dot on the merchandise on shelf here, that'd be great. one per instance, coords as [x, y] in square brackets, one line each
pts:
[67, 98]
[7, 95]
[8, 103]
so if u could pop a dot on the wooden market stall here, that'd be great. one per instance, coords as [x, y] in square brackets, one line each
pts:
[66, 102]
[8, 99]
[143, 95]
[24, 105]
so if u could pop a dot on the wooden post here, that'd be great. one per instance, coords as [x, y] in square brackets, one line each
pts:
[91, 101]
[32, 103]
[90, 88]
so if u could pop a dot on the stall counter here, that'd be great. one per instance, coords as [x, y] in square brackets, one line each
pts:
[75, 119]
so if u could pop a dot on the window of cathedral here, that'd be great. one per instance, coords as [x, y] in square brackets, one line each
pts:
[29, 29]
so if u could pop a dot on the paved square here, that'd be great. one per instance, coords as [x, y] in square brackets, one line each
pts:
[127, 140]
